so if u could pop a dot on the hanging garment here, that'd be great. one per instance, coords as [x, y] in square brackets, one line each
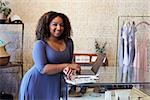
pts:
[121, 52]
[123, 57]
[131, 54]
[140, 62]
[126, 53]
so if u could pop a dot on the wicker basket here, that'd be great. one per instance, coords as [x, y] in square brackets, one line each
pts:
[4, 56]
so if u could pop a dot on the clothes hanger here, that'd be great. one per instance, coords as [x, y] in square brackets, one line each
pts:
[143, 22]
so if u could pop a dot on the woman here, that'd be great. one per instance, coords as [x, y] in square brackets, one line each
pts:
[52, 55]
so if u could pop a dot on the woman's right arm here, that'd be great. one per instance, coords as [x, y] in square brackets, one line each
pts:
[56, 68]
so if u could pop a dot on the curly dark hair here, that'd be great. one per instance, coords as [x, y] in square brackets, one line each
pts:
[42, 30]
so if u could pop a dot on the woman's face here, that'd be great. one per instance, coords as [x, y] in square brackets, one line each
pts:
[56, 27]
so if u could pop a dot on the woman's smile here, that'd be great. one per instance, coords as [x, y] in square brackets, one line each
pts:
[56, 27]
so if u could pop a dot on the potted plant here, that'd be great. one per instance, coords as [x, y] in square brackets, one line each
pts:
[101, 49]
[4, 11]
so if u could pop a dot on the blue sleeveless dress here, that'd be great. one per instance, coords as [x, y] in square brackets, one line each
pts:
[38, 86]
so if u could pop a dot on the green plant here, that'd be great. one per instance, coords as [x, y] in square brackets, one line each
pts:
[100, 49]
[4, 8]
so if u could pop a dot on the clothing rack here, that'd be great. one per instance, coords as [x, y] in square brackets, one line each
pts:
[134, 19]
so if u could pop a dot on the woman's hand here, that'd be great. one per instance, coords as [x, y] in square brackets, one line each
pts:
[71, 69]
[75, 67]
